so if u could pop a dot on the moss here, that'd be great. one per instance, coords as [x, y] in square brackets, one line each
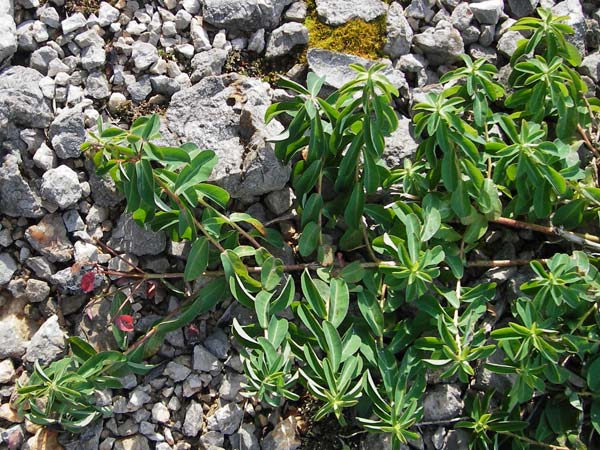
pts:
[356, 37]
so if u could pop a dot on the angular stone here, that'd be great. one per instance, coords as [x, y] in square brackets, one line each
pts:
[137, 442]
[47, 344]
[17, 198]
[399, 32]
[283, 436]
[143, 54]
[285, 38]
[193, 420]
[244, 15]
[21, 99]
[8, 267]
[61, 186]
[129, 237]
[488, 12]
[441, 45]
[226, 114]
[8, 37]
[522, 8]
[226, 419]
[205, 361]
[67, 133]
[15, 331]
[335, 68]
[338, 12]
[442, 402]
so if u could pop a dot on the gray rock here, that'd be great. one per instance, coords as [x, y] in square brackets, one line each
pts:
[296, 12]
[488, 12]
[378, 441]
[47, 344]
[160, 413]
[13, 436]
[334, 67]
[15, 333]
[420, 9]
[461, 16]
[21, 99]
[211, 439]
[399, 32]
[107, 14]
[8, 267]
[36, 291]
[244, 15]
[8, 37]
[162, 84]
[227, 419]
[61, 186]
[257, 41]
[143, 55]
[283, 39]
[335, 12]
[443, 401]
[199, 36]
[17, 198]
[67, 133]
[97, 85]
[522, 8]
[93, 57]
[49, 238]
[280, 202]
[138, 89]
[218, 343]
[41, 267]
[208, 63]
[129, 237]
[41, 58]
[205, 361]
[73, 23]
[283, 436]
[49, 16]
[226, 114]
[177, 372]
[7, 371]
[87, 439]
[507, 44]
[590, 66]
[231, 386]
[400, 144]
[245, 438]
[104, 190]
[456, 440]
[441, 45]
[137, 442]
[193, 420]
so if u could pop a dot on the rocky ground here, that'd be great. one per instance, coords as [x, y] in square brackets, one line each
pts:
[65, 63]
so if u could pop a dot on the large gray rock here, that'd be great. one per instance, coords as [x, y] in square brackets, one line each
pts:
[283, 436]
[61, 186]
[143, 55]
[193, 420]
[17, 198]
[488, 12]
[522, 8]
[15, 330]
[441, 45]
[8, 37]
[226, 419]
[129, 237]
[225, 114]
[590, 66]
[442, 402]
[334, 67]
[67, 133]
[47, 344]
[246, 15]
[399, 32]
[400, 144]
[21, 99]
[338, 12]
[285, 38]
[8, 267]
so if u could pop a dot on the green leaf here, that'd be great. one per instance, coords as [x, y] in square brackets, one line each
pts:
[152, 126]
[314, 298]
[271, 273]
[197, 260]
[170, 154]
[433, 221]
[261, 306]
[218, 195]
[371, 311]
[355, 207]
[570, 215]
[593, 375]
[196, 172]
[285, 298]
[81, 349]
[339, 299]
[353, 272]
[309, 239]
[334, 345]
[277, 331]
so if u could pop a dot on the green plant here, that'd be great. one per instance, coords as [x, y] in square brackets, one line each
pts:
[387, 290]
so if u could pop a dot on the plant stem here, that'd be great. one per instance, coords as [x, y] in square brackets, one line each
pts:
[584, 239]
[532, 441]
[234, 225]
[181, 206]
[587, 141]
[117, 255]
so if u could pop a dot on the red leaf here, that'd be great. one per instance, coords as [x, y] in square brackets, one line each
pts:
[124, 322]
[87, 282]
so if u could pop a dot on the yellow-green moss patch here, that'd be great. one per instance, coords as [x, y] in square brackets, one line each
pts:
[356, 37]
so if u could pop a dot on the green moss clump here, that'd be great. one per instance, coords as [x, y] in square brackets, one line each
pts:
[356, 37]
